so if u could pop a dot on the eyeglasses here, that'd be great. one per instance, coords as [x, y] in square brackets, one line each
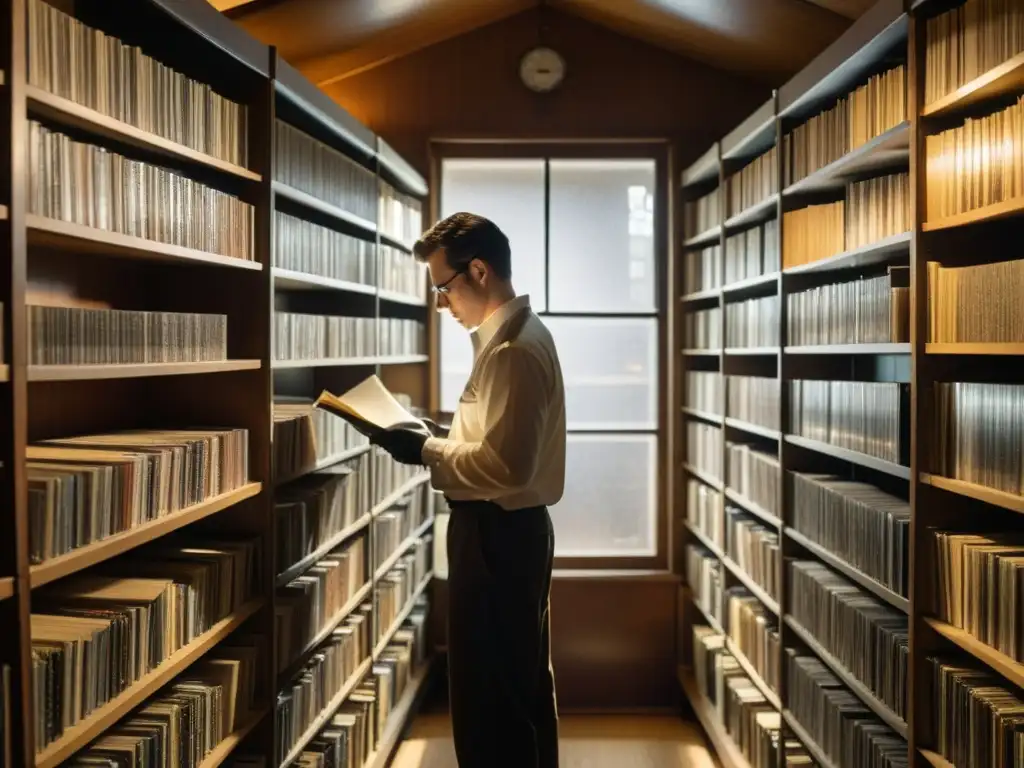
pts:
[443, 287]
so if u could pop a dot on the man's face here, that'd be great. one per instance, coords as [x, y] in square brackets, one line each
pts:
[461, 292]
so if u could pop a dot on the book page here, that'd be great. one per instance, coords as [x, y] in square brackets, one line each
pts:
[369, 407]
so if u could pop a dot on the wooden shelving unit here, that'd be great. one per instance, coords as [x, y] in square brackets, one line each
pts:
[891, 32]
[57, 260]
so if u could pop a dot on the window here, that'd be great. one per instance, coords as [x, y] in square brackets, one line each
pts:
[583, 246]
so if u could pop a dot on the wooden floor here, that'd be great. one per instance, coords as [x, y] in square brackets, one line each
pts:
[586, 741]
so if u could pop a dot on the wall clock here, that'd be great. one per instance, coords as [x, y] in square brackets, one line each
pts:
[542, 69]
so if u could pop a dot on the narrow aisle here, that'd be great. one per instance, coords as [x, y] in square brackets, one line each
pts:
[586, 741]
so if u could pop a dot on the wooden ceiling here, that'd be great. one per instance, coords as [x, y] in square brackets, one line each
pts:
[764, 40]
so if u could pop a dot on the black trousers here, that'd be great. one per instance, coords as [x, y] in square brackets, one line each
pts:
[501, 685]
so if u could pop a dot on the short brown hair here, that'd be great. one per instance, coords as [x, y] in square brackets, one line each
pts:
[464, 237]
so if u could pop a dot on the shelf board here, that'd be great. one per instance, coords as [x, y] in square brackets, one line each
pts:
[856, 686]
[398, 717]
[705, 415]
[751, 351]
[706, 541]
[314, 203]
[704, 477]
[79, 735]
[710, 620]
[340, 362]
[296, 663]
[755, 677]
[754, 509]
[1010, 348]
[994, 212]
[754, 214]
[6, 587]
[754, 136]
[402, 549]
[297, 569]
[1010, 501]
[1004, 80]
[888, 150]
[850, 349]
[99, 551]
[706, 237]
[704, 168]
[396, 495]
[854, 457]
[935, 759]
[395, 243]
[748, 284]
[754, 588]
[885, 250]
[999, 662]
[702, 352]
[402, 298]
[805, 738]
[861, 579]
[327, 712]
[705, 295]
[64, 235]
[753, 429]
[389, 633]
[70, 113]
[223, 750]
[728, 752]
[301, 281]
[325, 463]
[135, 370]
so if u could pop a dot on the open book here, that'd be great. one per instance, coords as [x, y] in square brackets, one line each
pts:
[370, 408]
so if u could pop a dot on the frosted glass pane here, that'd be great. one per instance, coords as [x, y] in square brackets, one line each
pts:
[602, 236]
[610, 503]
[511, 194]
[610, 370]
[456, 361]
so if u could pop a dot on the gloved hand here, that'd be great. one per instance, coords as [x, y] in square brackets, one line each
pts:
[436, 430]
[405, 445]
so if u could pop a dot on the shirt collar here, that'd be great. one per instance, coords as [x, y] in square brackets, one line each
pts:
[484, 332]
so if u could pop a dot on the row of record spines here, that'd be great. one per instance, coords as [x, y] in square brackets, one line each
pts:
[179, 588]
[90, 186]
[82, 64]
[703, 213]
[749, 719]
[755, 631]
[750, 253]
[73, 483]
[865, 416]
[59, 335]
[752, 323]
[392, 527]
[303, 162]
[754, 547]
[977, 434]
[864, 526]
[975, 716]
[393, 592]
[753, 472]
[298, 336]
[304, 436]
[756, 181]
[704, 391]
[978, 586]
[754, 399]
[967, 41]
[401, 215]
[706, 580]
[842, 726]
[868, 637]
[704, 511]
[704, 448]
[702, 329]
[864, 113]
[976, 304]
[390, 475]
[871, 310]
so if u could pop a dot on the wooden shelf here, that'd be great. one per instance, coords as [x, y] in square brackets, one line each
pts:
[387, 239]
[327, 713]
[889, 150]
[755, 214]
[750, 285]
[854, 457]
[135, 370]
[994, 212]
[342, 362]
[805, 738]
[227, 746]
[753, 137]
[752, 508]
[698, 296]
[1004, 80]
[935, 759]
[297, 569]
[75, 115]
[396, 495]
[856, 686]
[850, 349]
[6, 587]
[881, 252]
[296, 663]
[1009, 501]
[397, 719]
[974, 349]
[702, 352]
[66, 236]
[119, 543]
[754, 588]
[78, 736]
[752, 351]
[861, 579]
[704, 169]
[710, 620]
[704, 415]
[707, 237]
[325, 463]
[755, 676]
[318, 205]
[753, 429]
[986, 654]
[395, 625]
[402, 298]
[728, 753]
[287, 279]
[704, 477]
[404, 547]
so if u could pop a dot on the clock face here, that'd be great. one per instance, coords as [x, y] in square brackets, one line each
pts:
[542, 69]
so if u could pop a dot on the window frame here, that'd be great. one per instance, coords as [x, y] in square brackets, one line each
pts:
[641, 149]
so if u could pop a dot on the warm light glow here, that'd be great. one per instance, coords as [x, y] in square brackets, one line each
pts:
[224, 5]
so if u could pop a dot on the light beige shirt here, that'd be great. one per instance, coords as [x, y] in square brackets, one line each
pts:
[507, 441]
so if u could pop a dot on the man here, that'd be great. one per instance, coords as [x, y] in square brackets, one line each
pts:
[501, 468]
